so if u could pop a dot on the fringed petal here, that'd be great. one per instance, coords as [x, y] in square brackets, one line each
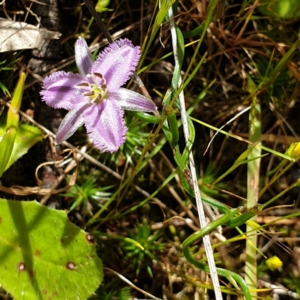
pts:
[130, 100]
[117, 62]
[59, 90]
[83, 57]
[105, 125]
[73, 119]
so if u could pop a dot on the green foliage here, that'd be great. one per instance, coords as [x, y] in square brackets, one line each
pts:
[4, 89]
[136, 138]
[146, 248]
[293, 283]
[101, 6]
[16, 139]
[27, 136]
[109, 292]
[45, 254]
[11, 127]
[86, 195]
[159, 18]
[7, 65]
[124, 294]
[265, 69]
[284, 9]
[207, 180]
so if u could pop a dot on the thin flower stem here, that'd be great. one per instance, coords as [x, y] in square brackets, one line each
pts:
[97, 18]
[253, 169]
[202, 219]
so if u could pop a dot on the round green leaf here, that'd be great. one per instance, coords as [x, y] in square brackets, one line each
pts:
[45, 256]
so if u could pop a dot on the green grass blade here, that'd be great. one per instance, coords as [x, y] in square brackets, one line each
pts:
[26, 137]
[7, 142]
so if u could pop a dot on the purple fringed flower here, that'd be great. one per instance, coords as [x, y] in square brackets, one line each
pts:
[95, 97]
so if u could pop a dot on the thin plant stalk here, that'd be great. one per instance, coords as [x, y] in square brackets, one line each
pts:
[253, 167]
[202, 219]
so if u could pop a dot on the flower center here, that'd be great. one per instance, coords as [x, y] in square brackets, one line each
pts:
[95, 88]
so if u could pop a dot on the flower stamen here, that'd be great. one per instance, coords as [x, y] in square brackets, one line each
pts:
[83, 84]
[95, 89]
[99, 75]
